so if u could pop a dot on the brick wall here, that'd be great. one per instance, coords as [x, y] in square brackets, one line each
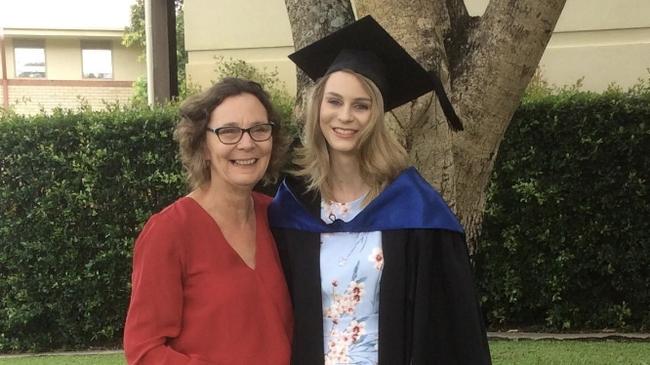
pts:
[30, 97]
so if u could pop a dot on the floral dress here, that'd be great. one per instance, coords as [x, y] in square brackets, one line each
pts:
[350, 266]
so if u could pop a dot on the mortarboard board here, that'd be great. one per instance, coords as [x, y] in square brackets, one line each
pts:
[366, 48]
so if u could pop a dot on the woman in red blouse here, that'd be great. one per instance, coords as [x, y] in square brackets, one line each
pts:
[207, 286]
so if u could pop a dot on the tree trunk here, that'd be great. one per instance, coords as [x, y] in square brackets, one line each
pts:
[485, 64]
[312, 20]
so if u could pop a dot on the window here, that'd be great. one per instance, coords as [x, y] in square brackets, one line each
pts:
[97, 60]
[29, 58]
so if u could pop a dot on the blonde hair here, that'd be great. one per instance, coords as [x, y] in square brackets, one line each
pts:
[381, 156]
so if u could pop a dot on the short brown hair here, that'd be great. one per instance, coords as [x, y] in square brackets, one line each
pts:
[195, 114]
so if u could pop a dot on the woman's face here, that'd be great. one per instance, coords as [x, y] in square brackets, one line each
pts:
[344, 112]
[244, 163]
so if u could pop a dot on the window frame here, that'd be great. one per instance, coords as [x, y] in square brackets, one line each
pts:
[28, 44]
[97, 45]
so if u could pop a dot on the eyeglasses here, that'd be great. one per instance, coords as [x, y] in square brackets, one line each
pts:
[232, 135]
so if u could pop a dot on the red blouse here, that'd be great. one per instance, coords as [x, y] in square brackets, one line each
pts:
[194, 300]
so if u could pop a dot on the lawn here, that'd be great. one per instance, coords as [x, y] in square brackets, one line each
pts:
[504, 352]
[112, 359]
[526, 352]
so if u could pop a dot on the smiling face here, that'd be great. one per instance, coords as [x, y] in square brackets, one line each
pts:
[345, 112]
[240, 165]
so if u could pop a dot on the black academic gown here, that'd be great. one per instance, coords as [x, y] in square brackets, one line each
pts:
[428, 311]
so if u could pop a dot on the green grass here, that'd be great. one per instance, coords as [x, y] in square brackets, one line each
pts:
[112, 359]
[524, 352]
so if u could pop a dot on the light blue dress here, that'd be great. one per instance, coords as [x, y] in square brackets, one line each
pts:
[350, 266]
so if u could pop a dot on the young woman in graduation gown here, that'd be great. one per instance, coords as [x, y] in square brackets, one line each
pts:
[375, 261]
[207, 285]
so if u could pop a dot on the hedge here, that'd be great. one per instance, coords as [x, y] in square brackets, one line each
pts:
[566, 236]
[565, 242]
[75, 188]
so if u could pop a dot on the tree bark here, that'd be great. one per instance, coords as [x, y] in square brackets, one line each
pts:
[312, 20]
[485, 64]
[501, 56]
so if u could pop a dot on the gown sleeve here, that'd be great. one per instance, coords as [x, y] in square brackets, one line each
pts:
[156, 308]
[466, 325]
[445, 293]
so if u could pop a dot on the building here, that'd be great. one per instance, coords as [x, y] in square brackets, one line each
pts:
[256, 31]
[596, 41]
[75, 60]
[599, 42]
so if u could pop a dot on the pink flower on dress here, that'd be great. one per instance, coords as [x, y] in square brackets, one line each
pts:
[335, 210]
[355, 291]
[338, 346]
[346, 303]
[343, 209]
[337, 350]
[356, 329]
[377, 256]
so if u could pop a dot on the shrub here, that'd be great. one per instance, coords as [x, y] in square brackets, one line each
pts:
[566, 236]
[565, 243]
[75, 188]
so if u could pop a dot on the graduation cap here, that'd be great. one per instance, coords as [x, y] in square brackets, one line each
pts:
[366, 48]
